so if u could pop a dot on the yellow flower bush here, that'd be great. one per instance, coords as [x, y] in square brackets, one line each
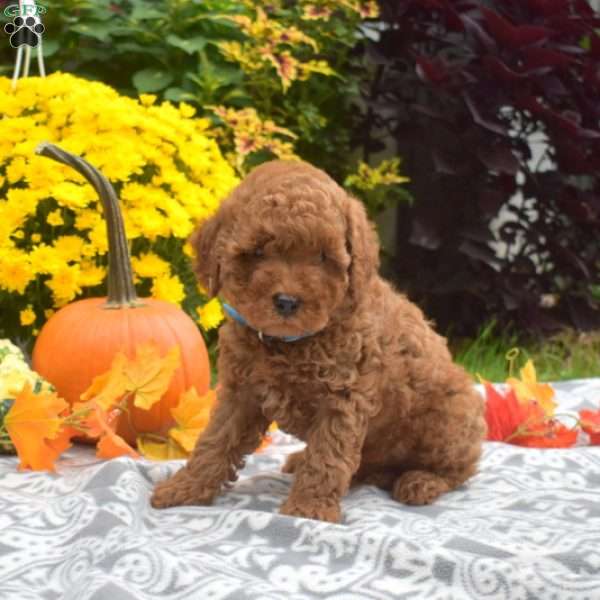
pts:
[166, 167]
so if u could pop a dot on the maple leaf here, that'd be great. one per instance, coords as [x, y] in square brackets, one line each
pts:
[149, 375]
[93, 418]
[191, 414]
[504, 414]
[107, 389]
[146, 377]
[35, 425]
[548, 434]
[590, 423]
[523, 423]
[99, 423]
[528, 389]
[154, 449]
[111, 445]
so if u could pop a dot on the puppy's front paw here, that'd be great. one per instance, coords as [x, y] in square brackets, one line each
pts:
[181, 490]
[321, 509]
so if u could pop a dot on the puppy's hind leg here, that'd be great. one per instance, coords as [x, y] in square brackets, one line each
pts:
[419, 487]
[294, 461]
[448, 448]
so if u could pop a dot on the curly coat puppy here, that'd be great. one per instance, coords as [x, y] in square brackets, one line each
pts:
[326, 349]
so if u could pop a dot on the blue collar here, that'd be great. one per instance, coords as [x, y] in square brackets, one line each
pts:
[235, 315]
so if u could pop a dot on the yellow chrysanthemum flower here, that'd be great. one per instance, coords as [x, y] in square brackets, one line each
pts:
[27, 316]
[69, 247]
[45, 259]
[55, 218]
[91, 275]
[64, 284]
[169, 289]
[211, 314]
[150, 265]
[147, 99]
[15, 272]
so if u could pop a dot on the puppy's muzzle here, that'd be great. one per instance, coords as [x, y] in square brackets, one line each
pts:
[286, 305]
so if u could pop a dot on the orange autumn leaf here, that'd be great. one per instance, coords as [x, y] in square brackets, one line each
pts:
[101, 424]
[110, 387]
[34, 424]
[529, 390]
[147, 376]
[93, 418]
[62, 441]
[590, 423]
[191, 415]
[111, 445]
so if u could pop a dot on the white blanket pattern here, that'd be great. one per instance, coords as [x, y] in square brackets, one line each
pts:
[527, 527]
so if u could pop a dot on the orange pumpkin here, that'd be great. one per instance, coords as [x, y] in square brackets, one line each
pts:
[80, 340]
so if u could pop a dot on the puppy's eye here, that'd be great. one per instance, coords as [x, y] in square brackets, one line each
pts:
[322, 256]
[259, 252]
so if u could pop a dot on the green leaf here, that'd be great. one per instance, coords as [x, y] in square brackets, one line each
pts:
[99, 31]
[151, 80]
[141, 12]
[49, 47]
[237, 97]
[190, 45]
[136, 48]
[177, 94]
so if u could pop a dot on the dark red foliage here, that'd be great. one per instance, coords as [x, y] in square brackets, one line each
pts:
[461, 87]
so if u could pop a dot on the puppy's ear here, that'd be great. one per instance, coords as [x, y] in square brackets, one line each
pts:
[206, 263]
[363, 246]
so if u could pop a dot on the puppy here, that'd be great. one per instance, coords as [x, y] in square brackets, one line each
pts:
[319, 343]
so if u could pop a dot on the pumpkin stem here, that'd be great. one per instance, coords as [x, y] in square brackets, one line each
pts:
[121, 291]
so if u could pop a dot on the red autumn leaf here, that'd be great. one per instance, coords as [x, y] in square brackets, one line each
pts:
[548, 434]
[504, 414]
[590, 423]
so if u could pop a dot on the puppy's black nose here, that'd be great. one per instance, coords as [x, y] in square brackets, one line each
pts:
[286, 305]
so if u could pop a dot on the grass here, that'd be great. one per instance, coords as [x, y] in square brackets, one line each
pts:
[568, 355]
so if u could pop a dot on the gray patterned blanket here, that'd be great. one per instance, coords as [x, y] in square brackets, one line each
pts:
[526, 527]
